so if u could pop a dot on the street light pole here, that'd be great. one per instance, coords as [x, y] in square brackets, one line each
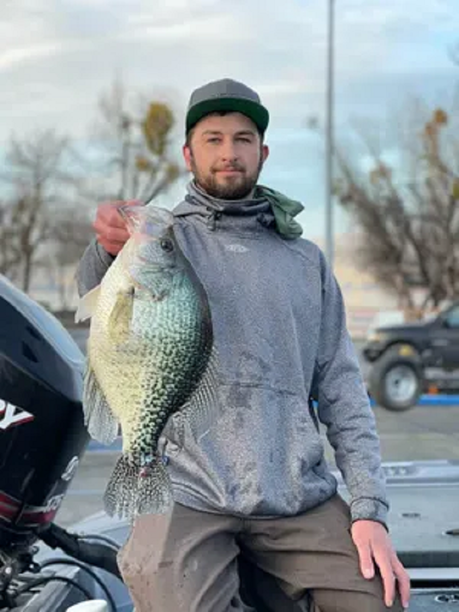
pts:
[329, 243]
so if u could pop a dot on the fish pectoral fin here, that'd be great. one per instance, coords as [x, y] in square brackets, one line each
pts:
[99, 419]
[87, 305]
[202, 408]
[119, 322]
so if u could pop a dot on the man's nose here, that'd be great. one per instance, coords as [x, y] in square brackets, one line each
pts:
[228, 151]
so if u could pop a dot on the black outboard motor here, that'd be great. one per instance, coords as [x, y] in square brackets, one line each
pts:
[42, 434]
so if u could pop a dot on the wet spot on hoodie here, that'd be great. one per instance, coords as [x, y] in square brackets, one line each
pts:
[253, 368]
[239, 396]
[238, 420]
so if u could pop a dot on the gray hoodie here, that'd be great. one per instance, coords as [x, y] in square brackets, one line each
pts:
[280, 331]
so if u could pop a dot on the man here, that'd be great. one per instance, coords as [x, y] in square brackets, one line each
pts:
[258, 481]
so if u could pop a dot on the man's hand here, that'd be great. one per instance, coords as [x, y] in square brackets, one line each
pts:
[373, 544]
[111, 231]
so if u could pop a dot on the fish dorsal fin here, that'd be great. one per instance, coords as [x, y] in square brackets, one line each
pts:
[87, 305]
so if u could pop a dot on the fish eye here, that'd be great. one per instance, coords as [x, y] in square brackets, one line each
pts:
[167, 245]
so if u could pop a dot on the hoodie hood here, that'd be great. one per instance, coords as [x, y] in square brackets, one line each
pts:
[268, 208]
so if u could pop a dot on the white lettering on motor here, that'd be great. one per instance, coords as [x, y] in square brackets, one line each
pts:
[11, 416]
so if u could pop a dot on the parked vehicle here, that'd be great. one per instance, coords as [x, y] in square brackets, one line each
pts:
[410, 359]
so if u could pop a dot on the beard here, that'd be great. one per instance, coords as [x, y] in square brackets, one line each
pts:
[229, 187]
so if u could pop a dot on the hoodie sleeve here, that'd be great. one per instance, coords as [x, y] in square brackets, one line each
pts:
[92, 267]
[344, 408]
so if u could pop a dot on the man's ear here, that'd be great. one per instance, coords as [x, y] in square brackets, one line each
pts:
[187, 155]
[265, 152]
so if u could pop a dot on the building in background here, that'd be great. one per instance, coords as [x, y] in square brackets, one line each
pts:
[363, 297]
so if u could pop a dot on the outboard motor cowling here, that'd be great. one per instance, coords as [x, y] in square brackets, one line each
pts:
[42, 434]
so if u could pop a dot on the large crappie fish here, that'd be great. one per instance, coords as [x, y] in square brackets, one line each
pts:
[149, 355]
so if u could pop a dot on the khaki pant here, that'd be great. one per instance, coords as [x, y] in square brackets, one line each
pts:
[187, 561]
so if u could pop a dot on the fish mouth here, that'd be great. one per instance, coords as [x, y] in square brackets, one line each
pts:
[146, 218]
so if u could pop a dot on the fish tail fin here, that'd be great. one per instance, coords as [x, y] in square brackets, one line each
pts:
[99, 419]
[121, 492]
[134, 490]
[154, 492]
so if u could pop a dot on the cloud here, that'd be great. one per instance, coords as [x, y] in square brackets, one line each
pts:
[20, 54]
[56, 56]
[77, 45]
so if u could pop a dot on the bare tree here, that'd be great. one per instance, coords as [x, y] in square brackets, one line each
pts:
[35, 171]
[135, 145]
[71, 232]
[409, 225]
[49, 187]
[10, 257]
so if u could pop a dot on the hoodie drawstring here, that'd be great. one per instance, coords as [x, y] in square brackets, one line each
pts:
[213, 218]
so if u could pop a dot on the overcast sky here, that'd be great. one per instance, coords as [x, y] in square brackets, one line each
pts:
[56, 56]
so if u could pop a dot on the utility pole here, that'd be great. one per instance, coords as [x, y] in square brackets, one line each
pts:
[329, 233]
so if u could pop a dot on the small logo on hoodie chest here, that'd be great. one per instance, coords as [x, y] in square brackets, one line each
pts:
[236, 248]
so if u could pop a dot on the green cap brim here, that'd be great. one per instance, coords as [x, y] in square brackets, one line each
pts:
[254, 111]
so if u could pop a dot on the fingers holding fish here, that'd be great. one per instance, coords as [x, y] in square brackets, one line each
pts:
[110, 226]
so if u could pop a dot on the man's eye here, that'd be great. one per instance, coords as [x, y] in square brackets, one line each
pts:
[213, 140]
[245, 140]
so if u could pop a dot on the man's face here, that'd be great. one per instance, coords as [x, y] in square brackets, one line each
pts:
[226, 155]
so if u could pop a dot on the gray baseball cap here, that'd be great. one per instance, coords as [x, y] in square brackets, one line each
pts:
[226, 95]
